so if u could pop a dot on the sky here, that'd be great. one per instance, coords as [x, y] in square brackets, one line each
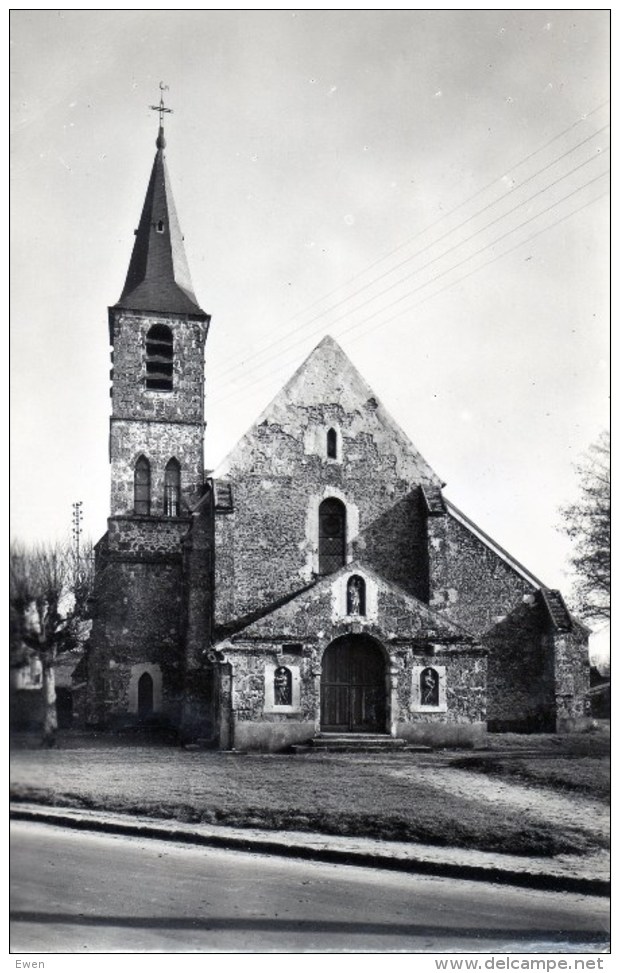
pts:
[428, 187]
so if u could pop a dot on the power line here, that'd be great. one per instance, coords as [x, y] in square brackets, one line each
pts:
[487, 263]
[266, 348]
[465, 241]
[262, 378]
[301, 339]
[463, 277]
[409, 240]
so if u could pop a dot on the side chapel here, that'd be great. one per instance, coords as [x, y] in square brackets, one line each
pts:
[317, 582]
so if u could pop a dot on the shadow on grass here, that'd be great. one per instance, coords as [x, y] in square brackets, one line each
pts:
[526, 840]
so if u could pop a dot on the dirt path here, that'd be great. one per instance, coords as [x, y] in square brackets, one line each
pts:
[585, 813]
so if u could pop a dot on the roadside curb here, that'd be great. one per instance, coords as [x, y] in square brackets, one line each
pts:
[238, 840]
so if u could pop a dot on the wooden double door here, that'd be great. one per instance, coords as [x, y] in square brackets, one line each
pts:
[353, 688]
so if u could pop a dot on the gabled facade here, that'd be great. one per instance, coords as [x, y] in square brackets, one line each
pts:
[318, 581]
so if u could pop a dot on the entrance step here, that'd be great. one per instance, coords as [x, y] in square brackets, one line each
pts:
[355, 743]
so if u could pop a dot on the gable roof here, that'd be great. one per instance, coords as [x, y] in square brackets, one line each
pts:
[482, 536]
[158, 278]
[289, 621]
[328, 377]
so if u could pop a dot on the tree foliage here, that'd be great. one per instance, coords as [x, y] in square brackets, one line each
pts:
[587, 522]
[49, 591]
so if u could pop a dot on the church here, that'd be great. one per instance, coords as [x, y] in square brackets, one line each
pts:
[317, 586]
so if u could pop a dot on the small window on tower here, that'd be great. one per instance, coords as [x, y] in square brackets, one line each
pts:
[159, 358]
[142, 487]
[332, 444]
[160, 226]
[172, 489]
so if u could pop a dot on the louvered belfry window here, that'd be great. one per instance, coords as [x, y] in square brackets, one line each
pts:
[142, 487]
[332, 535]
[172, 489]
[159, 358]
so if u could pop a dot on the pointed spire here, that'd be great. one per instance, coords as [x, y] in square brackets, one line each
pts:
[158, 278]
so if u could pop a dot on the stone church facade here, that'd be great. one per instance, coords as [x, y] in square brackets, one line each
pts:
[317, 582]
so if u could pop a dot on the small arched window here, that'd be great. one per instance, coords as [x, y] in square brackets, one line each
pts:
[332, 535]
[429, 687]
[142, 487]
[283, 686]
[159, 358]
[332, 444]
[145, 695]
[356, 595]
[172, 489]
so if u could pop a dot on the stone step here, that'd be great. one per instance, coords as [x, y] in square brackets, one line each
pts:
[325, 735]
[355, 743]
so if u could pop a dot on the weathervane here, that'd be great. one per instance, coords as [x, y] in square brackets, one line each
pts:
[161, 108]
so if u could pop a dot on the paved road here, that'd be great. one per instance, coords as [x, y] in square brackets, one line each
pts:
[86, 892]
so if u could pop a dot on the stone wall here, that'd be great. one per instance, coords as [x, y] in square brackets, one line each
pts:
[147, 535]
[521, 678]
[140, 623]
[460, 722]
[282, 470]
[159, 425]
[137, 623]
[469, 581]
[200, 701]
[572, 675]
[268, 547]
[159, 442]
[130, 398]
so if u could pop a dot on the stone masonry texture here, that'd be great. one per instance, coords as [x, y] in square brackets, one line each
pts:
[216, 599]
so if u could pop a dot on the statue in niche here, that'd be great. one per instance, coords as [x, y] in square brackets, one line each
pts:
[283, 687]
[356, 596]
[429, 687]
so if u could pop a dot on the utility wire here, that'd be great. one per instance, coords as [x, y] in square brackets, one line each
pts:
[468, 239]
[487, 263]
[262, 378]
[302, 339]
[409, 240]
[266, 348]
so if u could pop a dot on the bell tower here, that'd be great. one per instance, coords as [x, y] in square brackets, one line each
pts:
[157, 333]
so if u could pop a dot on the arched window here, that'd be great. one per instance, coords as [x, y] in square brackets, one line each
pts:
[332, 535]
[332, 444]
[429, 687]
[159, 358]
[142, 487]
[356, 595]
[282, 687]
[172, 489]
[145, 695]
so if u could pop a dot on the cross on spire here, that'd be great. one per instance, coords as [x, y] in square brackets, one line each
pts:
[161, 108]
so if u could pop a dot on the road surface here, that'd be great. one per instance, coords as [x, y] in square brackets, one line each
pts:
[83, 892]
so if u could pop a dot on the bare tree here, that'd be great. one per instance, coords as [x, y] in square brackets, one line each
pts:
[49, 590]
[587, 522]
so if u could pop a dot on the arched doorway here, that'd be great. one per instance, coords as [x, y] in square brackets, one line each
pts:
[353, 689]
[145, 695]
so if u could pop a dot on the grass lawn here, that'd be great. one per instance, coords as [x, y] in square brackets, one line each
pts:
[333, 794]
[566, 762]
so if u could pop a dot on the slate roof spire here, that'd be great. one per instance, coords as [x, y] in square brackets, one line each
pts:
[158, 278]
